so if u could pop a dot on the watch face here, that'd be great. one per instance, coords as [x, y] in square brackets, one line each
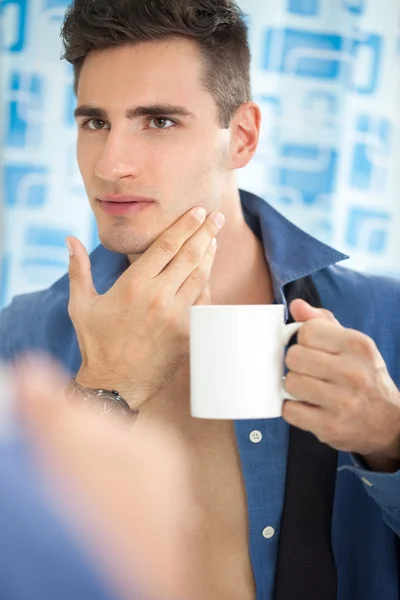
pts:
[109, 407]
[105, 405]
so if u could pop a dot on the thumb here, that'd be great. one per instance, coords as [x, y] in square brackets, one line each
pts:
[79, 271]
[302, 312]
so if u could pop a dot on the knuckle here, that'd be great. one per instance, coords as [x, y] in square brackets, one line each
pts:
[191, 253]
[329, 314]
[73, 271]
[167, 245]
[362, 345]
[159, 303]
[199, 276]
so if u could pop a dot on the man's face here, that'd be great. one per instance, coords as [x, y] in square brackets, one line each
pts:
[178, 160]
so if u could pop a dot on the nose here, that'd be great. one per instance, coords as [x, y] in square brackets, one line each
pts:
[118, 158]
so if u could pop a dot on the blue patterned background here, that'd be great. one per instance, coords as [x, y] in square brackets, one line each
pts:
[327, 76]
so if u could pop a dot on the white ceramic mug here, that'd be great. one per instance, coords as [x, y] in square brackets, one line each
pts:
[237, 361]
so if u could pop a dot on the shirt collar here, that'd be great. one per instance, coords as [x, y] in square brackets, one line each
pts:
[290, 252]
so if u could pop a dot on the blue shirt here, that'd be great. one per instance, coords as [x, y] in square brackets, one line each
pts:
[366, 515]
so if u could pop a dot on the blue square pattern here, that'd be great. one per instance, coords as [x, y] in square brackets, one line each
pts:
[4, 278]
[322, 103]
[368, 230]
[24, 127]
[70, 105]
[371, 150]
[299, 52]
[274, 102]
[323, 230]
[371, 47]
[321, 56]
[20, 8]
[94, 237]
[356, 7]
[46, 236]
[307, 8]
[313, 7]
[25, 185]
[50, 239]
[309, 169]
[50, 4]
[54, 10]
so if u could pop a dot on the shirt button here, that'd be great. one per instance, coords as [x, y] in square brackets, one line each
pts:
[255, 436]
[268, 532]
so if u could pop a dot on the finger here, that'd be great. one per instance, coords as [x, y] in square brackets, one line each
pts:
[205, 297]
[79, 272]
[303, 416]
[315, 363]
[168, 244]
[190, 255]
[303, 311]
[311, 390]
[197, 282]
[324, 335]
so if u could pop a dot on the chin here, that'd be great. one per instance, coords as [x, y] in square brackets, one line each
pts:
[126, 243]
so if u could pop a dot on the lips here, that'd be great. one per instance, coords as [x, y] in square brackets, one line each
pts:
[122, 204]
[122, 198]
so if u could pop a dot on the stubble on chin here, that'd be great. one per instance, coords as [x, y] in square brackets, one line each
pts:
[126, 242]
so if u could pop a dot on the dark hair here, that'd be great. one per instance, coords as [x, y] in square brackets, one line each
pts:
[217, 26]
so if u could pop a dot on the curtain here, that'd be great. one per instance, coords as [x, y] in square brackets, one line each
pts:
[326, 75]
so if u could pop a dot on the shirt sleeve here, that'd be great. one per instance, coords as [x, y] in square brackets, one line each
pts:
[383, 488]
[6, 352]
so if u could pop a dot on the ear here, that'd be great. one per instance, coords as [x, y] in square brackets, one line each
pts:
[245, 132]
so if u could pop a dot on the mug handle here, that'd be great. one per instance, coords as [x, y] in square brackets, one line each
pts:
[288, 331]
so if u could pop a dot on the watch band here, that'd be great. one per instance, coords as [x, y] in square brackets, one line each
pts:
[91, 396]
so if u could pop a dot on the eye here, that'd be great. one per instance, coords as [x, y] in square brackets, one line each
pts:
[93, 124]
[161, 123]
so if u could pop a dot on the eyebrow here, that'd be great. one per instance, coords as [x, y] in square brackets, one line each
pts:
[151, 110]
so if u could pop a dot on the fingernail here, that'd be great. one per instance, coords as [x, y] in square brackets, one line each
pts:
[70, 251]
[200, 213]
[218, 219]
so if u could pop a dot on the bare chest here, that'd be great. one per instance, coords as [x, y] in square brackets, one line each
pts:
[219, 550]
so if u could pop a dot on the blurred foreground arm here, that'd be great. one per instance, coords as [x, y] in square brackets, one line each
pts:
[125, 494]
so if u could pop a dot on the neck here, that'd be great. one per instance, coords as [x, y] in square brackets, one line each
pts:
[240, 273]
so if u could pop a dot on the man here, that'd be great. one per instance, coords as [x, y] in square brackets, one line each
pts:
[165, 119]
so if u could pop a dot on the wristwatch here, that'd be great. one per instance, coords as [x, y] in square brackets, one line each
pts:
[105, 403]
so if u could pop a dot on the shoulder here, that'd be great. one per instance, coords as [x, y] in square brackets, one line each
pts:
[38, 321]
[358, 297]
[366, 302]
